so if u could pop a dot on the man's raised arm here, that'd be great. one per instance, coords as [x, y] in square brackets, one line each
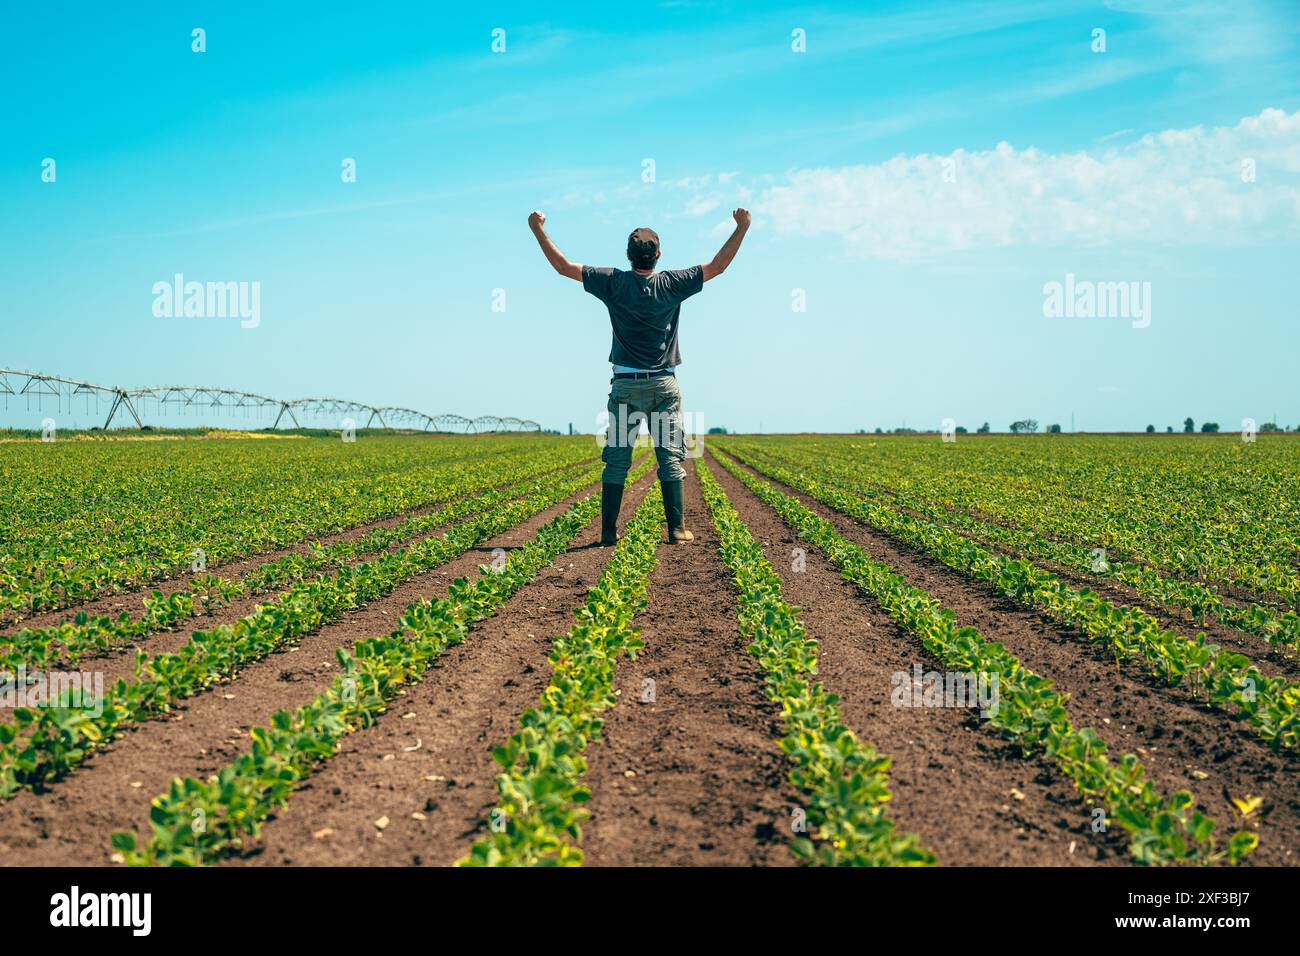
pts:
[553, 255]
[729, 248]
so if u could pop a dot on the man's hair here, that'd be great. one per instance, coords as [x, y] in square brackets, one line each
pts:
[643, 248]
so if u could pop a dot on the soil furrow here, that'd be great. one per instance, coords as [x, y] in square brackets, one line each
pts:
[131, 600]
[70, 825]
[1182, 743]
[694, 777]
[435, 798]
[962, 787]
[1225, 587]
[1266, 656]
[119, 661]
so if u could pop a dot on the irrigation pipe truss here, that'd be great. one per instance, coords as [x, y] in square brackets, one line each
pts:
[39, 387]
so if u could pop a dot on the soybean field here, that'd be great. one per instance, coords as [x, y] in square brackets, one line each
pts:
[412, 650]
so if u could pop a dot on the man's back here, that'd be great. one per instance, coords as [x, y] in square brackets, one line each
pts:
[644, 311]
[644, 307]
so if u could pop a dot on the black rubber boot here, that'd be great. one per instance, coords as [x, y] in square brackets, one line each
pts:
[672, 492]
[611, 500]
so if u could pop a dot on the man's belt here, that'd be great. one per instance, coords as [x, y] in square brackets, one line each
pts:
[658, 373]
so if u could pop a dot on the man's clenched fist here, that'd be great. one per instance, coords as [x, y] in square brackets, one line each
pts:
[538, 219]
[741, 215]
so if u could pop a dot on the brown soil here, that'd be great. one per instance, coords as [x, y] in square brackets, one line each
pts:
[962, 786]
[70, 825]
[1226, 588]
[132, 599]
[695, 778]
[1270, 659]
[1182, 744]
[119, 661]
[1253, 645]
[427, 765]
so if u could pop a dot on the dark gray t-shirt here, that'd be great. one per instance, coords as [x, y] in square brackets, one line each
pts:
[643, 311]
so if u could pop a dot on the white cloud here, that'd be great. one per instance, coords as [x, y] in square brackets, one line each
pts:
[1203, 31]
[1179, 186]
[702, 205]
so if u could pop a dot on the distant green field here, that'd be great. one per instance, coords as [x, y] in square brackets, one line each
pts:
[87, 517]
[1069, 583]
[1211, 508]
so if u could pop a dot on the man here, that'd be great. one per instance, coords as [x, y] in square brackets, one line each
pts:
[644, 307]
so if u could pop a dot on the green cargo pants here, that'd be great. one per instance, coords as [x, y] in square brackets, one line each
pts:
[658, 403]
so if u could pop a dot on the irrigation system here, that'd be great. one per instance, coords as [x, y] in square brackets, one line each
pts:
[137, 403]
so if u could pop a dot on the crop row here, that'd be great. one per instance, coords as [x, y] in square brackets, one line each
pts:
[198, 822]
[43, 744]
[84, 521]
[1213, 512]
[70, 641]
[1199, 601]
[538, 819]
[1031, 710]
[1202, 603]
[846, 781]
[1271, 705]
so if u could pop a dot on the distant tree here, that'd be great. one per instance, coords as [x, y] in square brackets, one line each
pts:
[1025, 425]
[1189, 425]
[1150, 429]
[961, 429]
[1169, 429]
[1269, 427]
[1210, 427]
[983, 429]
[879, 430]
[1054, 429]
[717, 430]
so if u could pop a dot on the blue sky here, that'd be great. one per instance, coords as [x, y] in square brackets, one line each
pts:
[924, 294]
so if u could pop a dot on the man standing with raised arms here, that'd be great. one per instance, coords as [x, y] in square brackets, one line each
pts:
[644, 307]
